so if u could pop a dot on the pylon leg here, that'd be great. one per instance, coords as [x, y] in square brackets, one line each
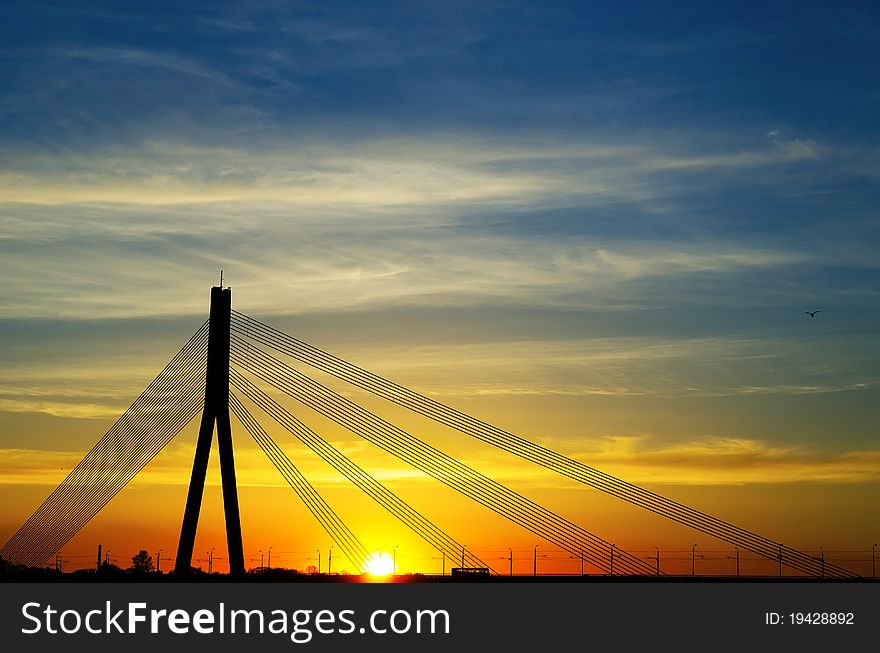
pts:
[230, 495]
[194, 496]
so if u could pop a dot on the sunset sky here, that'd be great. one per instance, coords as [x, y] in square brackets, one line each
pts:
[596, 226]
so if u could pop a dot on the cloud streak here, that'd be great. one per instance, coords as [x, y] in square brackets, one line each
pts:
[709, 461]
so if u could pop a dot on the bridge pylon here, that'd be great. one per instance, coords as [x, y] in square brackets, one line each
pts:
[216, 411]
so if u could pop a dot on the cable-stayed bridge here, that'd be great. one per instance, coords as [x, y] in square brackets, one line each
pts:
[242, 353]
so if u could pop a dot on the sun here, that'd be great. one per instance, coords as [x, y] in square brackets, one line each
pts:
[379, 564]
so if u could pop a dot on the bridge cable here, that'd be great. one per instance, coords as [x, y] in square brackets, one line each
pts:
[98, 477]
[347, 541]
[67, 512]
[356, 475]
[576, 470]
[444, 468]
[79, 486]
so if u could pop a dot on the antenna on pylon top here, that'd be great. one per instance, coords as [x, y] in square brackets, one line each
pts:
[221, 279]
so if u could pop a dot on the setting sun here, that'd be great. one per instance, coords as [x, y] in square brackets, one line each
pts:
[379, 564]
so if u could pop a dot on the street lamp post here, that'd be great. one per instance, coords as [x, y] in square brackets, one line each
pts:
[319, 559]
[658, 559]
[510, 559]
[269, 559]
[780, 561]
[535, 564]
[262, 560]
[693, 561]
[582, 562]
[330, 560]
[873, 563]
[158, 561]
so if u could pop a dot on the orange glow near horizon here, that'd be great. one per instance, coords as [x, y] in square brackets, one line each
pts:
[675, 447]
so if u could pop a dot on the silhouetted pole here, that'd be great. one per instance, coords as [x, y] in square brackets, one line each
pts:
[98, 565]
[216, 410]
[269, 560]
[511, 560]
[780, 561]
[158, 561]
[319, 560]
[330, 560]
[535, 562]
[658, 559]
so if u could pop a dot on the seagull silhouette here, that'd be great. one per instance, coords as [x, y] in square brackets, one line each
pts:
[811, 313]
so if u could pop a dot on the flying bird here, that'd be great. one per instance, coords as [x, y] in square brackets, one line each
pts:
[811, 313]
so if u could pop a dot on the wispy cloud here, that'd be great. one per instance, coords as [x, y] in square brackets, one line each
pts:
[782, 151]
[709, 461]
[723, 461]
[145, 58]
[417, 172]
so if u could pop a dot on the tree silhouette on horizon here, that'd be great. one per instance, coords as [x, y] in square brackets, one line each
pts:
[142, 563]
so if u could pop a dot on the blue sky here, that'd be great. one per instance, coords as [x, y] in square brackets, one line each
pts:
[640, 200]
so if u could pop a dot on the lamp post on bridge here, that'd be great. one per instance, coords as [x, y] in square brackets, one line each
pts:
[318, 551]
[269, 560]
[330, 560]
[581, 556]
[158, 561]
[873, 563]
[694, 561]
[780, 561]
[658, 559]
[736, 555]
[535, 563]
[509, 557]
